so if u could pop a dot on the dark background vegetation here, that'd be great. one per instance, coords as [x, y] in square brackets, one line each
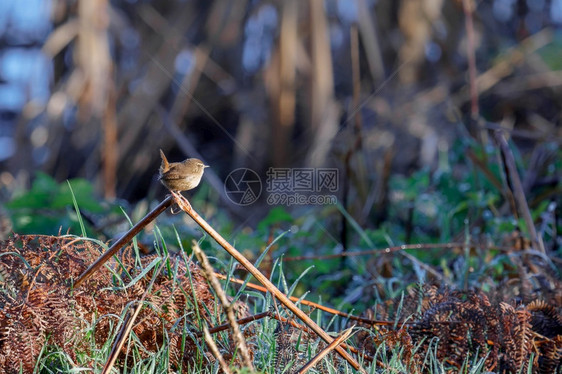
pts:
[400, 96]
[262, 84]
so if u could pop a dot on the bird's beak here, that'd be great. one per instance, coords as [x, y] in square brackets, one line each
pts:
[206, 166]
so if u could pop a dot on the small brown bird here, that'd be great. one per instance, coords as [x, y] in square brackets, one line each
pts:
[181, 176]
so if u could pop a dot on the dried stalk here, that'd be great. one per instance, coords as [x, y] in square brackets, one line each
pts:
[309, 331]
[127, 327]
[518, 192]
[241, 321]
[214, 349]
[186, 207]
[127, 237]
[387, 250]
[227, 306]
[369, 37]
[313, 304]
[316, 359]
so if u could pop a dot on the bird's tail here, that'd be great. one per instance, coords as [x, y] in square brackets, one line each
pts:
[165, 166]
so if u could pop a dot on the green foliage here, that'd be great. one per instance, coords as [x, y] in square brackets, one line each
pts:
[276, 216]
[48, 208]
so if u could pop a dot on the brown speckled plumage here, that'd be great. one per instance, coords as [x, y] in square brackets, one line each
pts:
[181, 176]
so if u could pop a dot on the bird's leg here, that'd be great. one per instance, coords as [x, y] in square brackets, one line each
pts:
[176, 197]
[173, 211]
[180, 200]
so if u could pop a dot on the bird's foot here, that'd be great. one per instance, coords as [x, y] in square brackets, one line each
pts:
[181, 201]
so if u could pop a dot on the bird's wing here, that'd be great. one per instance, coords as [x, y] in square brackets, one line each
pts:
[173, 173]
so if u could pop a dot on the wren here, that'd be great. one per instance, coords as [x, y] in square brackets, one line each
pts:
[181, 176]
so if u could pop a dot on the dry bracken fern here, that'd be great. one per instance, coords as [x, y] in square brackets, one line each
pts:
[37, 303]
[463, 327]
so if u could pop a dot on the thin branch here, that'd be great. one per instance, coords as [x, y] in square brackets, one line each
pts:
[186, 207]
[128, 326]
[309, 331]
[518, 192]
[241, 321]
[214, 349]
[314, 305]
[122, 241]
[227, 306]
[316, 359]
[387, 250]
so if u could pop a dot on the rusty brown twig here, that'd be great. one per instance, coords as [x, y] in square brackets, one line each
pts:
[121, 338]
[387, 250]
[368, 321]
[186, 207]
[323, 353]
[127, 237]
[270, 314]
[313, 304]
[241, 321]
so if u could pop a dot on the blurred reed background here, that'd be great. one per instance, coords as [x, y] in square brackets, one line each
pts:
[94, 88]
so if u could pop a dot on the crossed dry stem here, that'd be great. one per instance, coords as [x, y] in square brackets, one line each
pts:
[184, 205]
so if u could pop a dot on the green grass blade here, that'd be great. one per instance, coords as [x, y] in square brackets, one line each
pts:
[77, 209]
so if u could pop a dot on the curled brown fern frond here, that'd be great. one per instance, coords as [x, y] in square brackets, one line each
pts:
[462, 327]
[546, 320]
[36, 301]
